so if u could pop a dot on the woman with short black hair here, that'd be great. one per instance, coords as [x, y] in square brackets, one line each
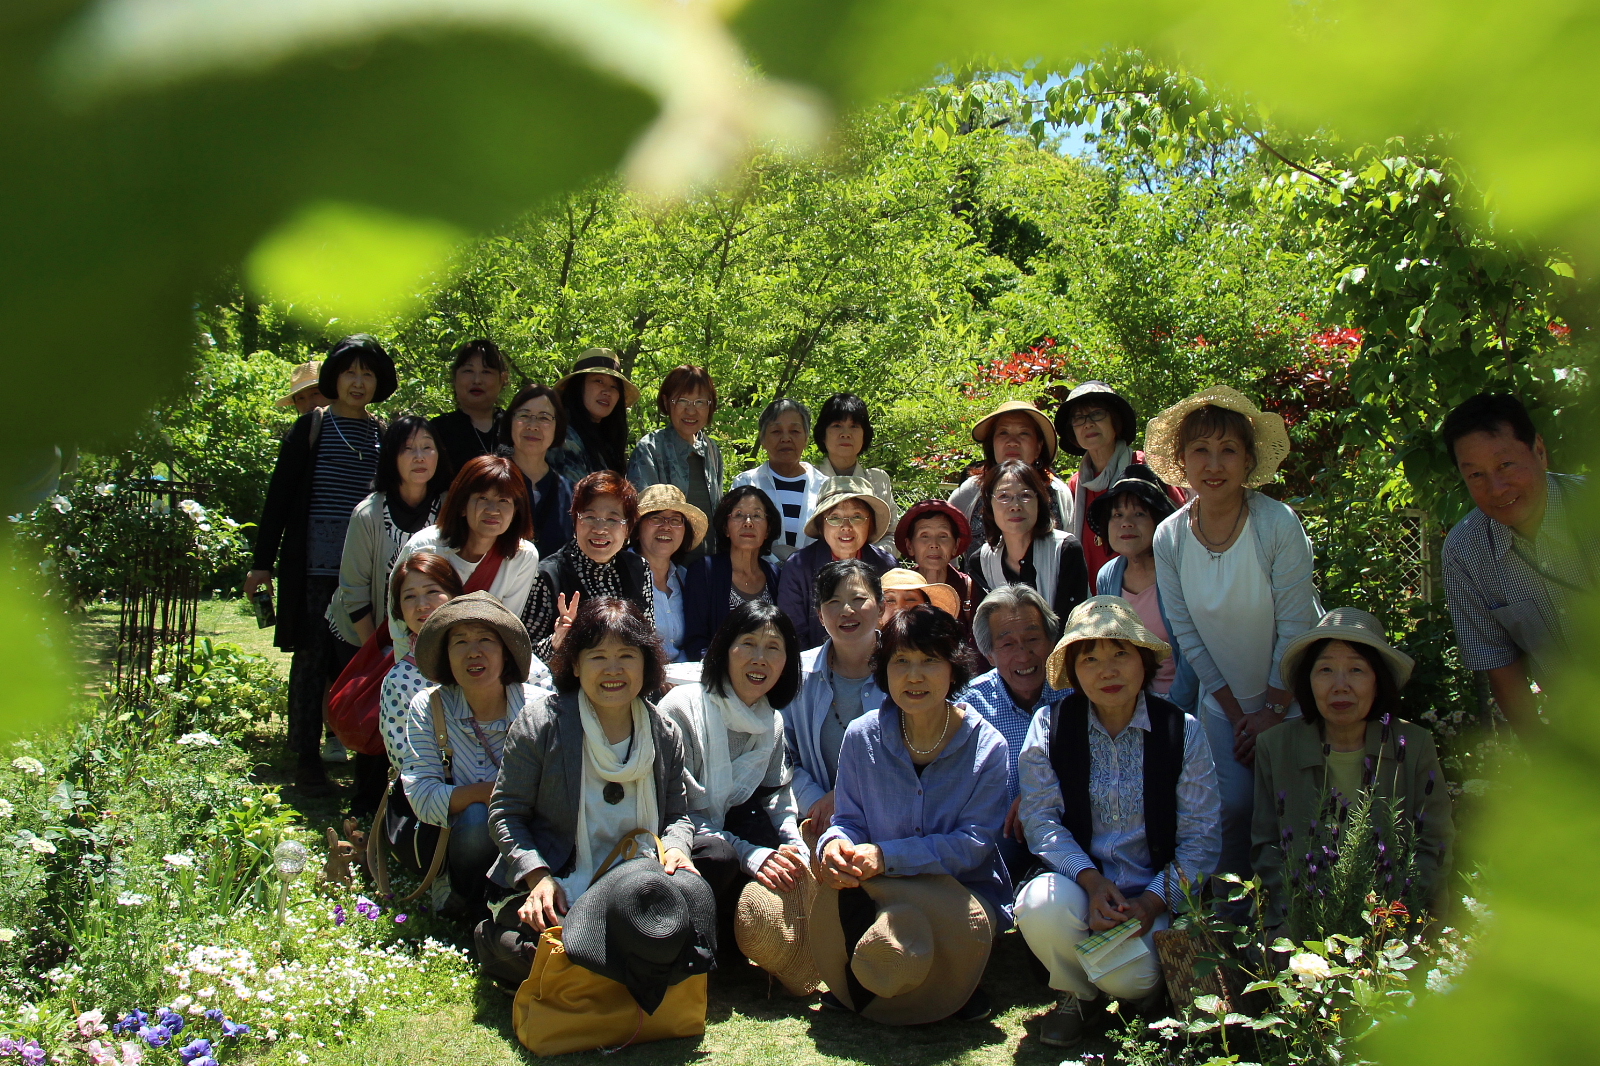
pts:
[535, 423]
[843, 434]
[478, 375]
[744, 526]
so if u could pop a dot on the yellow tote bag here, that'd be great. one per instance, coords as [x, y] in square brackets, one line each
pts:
[563, 1007]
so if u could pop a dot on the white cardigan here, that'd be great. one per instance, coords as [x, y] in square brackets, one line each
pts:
[761, 478]
[510, 586]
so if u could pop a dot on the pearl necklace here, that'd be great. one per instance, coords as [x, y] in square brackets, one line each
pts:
[906, 733]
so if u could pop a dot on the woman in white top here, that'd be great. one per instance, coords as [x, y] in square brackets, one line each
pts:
[1234, 569]
[487, 508]
[746, 823]
[668, 528]
[789, 483]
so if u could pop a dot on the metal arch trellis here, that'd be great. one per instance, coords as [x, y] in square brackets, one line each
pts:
[160, 595]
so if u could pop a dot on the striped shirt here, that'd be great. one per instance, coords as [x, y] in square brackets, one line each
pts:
[345, 464]
[791, 501]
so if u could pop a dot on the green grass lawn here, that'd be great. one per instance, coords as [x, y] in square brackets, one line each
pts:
[747, 1022]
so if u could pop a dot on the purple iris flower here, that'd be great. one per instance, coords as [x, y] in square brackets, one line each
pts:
[172, 1021]
[131, 1021]
[214, 1015]
[32, 1053]
[234, 1030]
[338, 914]
[195, 1050]
[155, 1035]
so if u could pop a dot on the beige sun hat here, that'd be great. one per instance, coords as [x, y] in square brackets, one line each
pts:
[602, 361]
[1161, 436]
[771, 928]
[985, 427]
[923, 955]
[835, 491]
[1101, 618]
[480, 607]
[671, 498]
[304, 377]
[1354, 626]
[940, 595]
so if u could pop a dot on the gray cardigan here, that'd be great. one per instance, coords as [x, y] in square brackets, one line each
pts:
[533, 812]
[364, 568]
[1285, 553]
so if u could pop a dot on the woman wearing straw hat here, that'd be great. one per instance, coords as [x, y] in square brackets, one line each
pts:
[791, 484]
[1020, 431]
[535, 423]
[1109, 860]
[1349, 744]
[932, 535]
[1235, 572]
[903, 589]
[1022, 546]
[746, 824]
[739, 572]
[325, 468]
[848, 519]
[1125, 518]
[478, 655]
[304, 394]
[597, 397]
[595, 562]
[667, 530]
[582, 769]
[1098, 423]
[682, 453]
[921, 795]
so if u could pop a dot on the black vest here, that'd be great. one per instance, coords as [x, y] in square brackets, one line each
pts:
[1163, 764]
[563, 576]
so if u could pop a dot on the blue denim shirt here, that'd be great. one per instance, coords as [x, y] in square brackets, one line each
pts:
[802, 725]
[662, 458]
[947, 821]
[991, 698]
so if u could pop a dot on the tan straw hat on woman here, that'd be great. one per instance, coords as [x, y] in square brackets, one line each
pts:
[921, 957]
[1101, 618]
[771, 928]
[835, 491]
[1161, 436]
[479, 607]
[602, 361]
[658, 498]
[304, 377]
[1047, 430]
[1353, 626]
[940, 595]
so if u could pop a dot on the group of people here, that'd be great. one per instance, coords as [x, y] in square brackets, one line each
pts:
[867, 740]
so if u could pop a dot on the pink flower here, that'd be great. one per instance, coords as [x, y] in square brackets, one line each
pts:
[91, 1023]
[101, 1054]
[132, 1053]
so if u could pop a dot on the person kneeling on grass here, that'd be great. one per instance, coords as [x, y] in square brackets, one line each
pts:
[583, 769]
[1120, 801]
[478, 655]
[920, 797]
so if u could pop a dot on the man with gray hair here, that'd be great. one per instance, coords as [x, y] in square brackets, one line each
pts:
[1016, 630]
[792, 485]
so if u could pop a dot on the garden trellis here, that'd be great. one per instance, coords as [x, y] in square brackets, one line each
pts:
[160, 594]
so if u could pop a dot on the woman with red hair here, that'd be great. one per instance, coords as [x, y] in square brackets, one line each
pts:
[595, 562]
[486, 520]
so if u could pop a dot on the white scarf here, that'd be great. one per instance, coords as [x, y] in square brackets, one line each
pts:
[1121, 459]
[600, 764]
[729, 781]
[1046, 556]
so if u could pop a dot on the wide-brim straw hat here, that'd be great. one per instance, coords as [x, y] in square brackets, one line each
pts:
[772, 929]
[1100, 618]
[305, 376]
[602, 361]
[940, 595]
[919, 511]
[1354, 626]
[923, 955]
[658, 498]
[835, 491]
[985, 427]
[1099, 394]
[479, 607]
[1140, 482]
[373, 356]
[1160, 437]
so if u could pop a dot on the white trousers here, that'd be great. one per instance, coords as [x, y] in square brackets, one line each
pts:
[1053, 914]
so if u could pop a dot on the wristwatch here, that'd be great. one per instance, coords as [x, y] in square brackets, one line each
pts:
[1279, 709]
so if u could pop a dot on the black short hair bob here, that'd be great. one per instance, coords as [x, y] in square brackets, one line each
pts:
[830, 577]
[748, 618]
[843, 407]
[1487, 412]
[484, 348]
[533, 392]
[1076, 649]
[395, 438]
[600, 617]
[731, 499]
[929, 630]
[1386, 700]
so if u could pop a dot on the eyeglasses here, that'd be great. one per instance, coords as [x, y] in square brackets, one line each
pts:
[543, 421]
[487, 503]
[837, 520]
[602, 523]
[746, 519]
[1014, 499]
[1089, 417]
[684, 404]
[666, 521]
